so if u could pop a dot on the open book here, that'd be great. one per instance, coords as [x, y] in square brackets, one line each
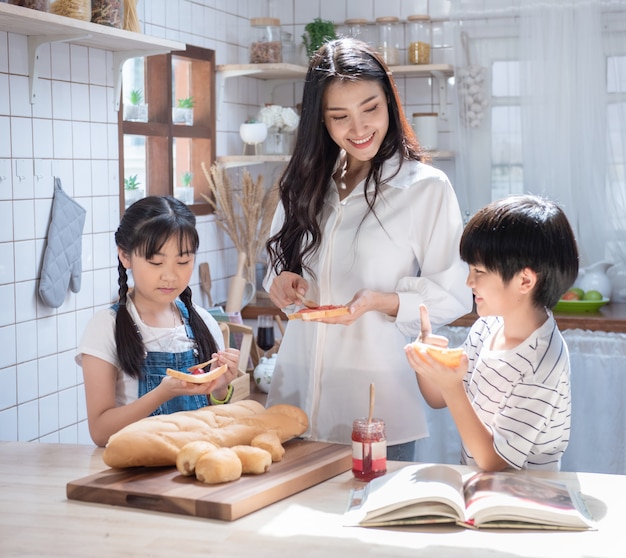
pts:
[424, 494]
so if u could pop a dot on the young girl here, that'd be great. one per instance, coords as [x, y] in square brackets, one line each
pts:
[126, 349]
[510, 396]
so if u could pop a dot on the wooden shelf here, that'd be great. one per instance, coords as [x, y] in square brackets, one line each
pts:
[229, 161]
[43, 28]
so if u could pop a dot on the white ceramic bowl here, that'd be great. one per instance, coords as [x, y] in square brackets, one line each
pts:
[253, 132]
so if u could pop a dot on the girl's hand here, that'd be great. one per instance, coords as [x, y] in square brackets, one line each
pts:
[285, 288]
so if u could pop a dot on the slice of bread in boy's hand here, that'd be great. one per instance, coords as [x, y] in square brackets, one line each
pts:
[447, 357]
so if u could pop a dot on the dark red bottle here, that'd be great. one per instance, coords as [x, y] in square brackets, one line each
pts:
[369, 449]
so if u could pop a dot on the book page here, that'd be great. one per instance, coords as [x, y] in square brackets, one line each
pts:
[517, 497]
[409, 493]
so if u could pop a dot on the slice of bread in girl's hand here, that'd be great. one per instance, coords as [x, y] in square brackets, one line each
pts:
[447, 357]
[329, 311]
[198, 377]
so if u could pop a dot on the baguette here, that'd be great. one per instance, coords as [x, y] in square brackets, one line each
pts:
[307, 314]
[143, 444]
[447, 357]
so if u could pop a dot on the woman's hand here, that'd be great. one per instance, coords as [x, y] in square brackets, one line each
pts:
[364, 301]
[286, 287]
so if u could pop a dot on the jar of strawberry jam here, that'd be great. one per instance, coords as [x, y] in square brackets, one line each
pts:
[369, 449]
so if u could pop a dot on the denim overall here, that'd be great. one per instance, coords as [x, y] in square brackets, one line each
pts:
[155, 365]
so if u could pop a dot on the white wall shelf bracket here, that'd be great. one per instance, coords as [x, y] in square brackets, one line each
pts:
[34, 44]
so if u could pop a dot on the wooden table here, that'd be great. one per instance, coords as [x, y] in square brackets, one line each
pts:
[36, 519]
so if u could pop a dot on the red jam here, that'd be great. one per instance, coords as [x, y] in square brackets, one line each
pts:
[369, 449]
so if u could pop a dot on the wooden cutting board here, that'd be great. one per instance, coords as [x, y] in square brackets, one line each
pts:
[163, 489]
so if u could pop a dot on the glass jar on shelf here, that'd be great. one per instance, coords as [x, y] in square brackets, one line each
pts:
[265, 43]
[76, 9]
[420, 38]
[360, 29]
[108, 12]
[41, 5]
[389, 39]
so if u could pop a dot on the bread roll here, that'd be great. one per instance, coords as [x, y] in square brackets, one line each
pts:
[217, 466]
[254, 461]
[270, 442]
[189, 454]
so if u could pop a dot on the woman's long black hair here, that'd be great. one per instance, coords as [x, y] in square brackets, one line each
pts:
[307, 178]
[145, 227]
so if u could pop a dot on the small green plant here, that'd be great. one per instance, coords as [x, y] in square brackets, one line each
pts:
[131, 183]
[136, 96]
[186, 179]
[186, 103]
[318, 32]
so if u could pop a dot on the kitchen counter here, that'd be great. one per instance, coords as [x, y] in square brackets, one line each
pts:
[36, 519]
[611, 317]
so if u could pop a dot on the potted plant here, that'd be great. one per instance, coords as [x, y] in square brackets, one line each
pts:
[252, 132]
[136, 110]
[316, 33]
[182, 113]
[132, 191]
[185, 192]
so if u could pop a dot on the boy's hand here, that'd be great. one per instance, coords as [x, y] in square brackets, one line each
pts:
[426, 334]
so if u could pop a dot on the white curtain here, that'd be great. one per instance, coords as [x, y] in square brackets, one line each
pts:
[571, 113]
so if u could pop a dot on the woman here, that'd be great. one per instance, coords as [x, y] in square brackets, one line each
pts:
[363, 222]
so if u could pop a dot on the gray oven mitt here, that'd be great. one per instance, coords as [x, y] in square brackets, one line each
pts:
[62, 257]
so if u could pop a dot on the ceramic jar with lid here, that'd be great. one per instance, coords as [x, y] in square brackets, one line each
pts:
[265, 42]
[389, 39]
[419, 31]
[426, 128]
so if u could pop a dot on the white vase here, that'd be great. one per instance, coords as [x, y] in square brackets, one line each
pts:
[131, 196]
[264, 371]
[595, 278]
[184, 194]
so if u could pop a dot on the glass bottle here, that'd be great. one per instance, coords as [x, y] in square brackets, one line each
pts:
[388, 39]
[419, 39]
[265, 45]
[369, 449]
[359, 29]
[288, 47]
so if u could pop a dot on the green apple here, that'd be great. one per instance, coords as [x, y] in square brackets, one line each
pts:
[592, 295]
[578, 291]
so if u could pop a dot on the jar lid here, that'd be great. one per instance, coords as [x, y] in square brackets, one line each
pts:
[387, 19]
[265, 21]
[418, 17]
[356, 21]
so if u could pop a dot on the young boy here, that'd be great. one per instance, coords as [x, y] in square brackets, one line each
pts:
[510, 396]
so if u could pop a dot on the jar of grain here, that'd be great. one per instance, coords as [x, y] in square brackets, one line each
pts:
[419, 39]
[108, 12]
[265, 44]
[76, 9]
[389, 39]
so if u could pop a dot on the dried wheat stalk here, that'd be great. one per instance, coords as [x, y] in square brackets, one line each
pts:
[244, 216]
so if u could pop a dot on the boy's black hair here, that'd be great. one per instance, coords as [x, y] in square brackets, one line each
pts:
[516, 232]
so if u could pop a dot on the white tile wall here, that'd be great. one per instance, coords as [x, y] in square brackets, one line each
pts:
[71, 132]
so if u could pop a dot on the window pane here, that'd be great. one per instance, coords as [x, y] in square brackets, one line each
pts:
[505, 79]
[616, 67]
[134, 168]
